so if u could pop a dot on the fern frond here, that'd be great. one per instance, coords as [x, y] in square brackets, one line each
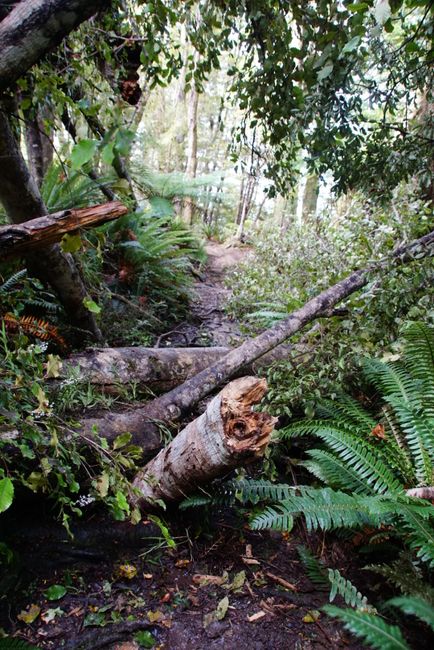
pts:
[246, 491]
[315, 569]
[11, 643]
[335, 473]
[419, 435]
[390, 379]
[195, 501]
[346, 409]
[421, 534]
[345, 588]
[370, 464]
[406, 576]
[273, 518]
[36, 327]
[13, 280]
[419, 353]
[369, 627]
[414, 606]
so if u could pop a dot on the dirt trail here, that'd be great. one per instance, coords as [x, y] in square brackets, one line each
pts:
[208, 324]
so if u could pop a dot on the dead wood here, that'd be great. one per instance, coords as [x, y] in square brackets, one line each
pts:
[228, 434]
[16, 239]
[158, 369]
[179, 401]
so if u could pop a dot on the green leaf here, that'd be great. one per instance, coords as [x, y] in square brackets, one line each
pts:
[107, 154]
[352, 45]
[9, 643]
[122, 440]
[415, 606]
[122, 501]
[382, 11]
[91, 305]
[369, 627]
[70, 243]
[145, 639]
[123, 141]
[6, 493]
[82, 152]
[55, 592]
[325, 71]
[222, 609]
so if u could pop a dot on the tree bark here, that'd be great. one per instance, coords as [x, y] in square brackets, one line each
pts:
[310, 198]
[158, 369]
[171, 406]
[34, 28]
[191, 169]
[22, 201]
[37, 233]
[228, 434]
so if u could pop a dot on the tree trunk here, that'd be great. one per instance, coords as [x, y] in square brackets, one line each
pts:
[158, 369]
[228, 434]
[310, 198]
[38, 145]
[22, 201]
[191, 169]
[22, 238]
[32, 29]
[179, 401]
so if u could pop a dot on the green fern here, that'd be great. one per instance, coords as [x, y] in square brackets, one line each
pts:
[345, 588]
[406, 576]
[277, 517]
[316, 571]
[414, 606]
[370, 627]
[11, 282]
[10, 643]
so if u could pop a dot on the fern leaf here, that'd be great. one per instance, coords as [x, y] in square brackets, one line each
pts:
[195, 501]
[415, 606]
[421, 533]
[405, 575]
[346, 589]
[346, 409]
[370, 627]
[273, 518]
[315, 570]
[335, 473]
[13, 280]
[390, 379]
[10, 643]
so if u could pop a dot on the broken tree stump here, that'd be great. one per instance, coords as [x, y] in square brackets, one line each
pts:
[227, 435]
[17, 239]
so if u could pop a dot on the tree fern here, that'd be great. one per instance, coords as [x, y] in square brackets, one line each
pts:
[371, 628]
[415, 606]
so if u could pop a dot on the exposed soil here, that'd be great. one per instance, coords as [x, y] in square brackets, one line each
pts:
[208, 324]
[271, 603]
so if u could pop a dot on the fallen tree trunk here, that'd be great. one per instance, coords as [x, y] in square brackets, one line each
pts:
[228, 434]
[16, 239]
[158, 369]
[171, 406]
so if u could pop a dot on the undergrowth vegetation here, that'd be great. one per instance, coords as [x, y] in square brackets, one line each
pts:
[375, 467]
[289, 268]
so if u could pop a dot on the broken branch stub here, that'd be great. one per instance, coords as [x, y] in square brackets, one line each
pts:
[228, 434]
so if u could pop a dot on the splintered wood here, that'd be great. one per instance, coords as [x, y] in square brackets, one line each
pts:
[228, 434]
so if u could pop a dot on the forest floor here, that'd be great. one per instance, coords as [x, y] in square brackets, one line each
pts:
[208, 323]
[211, 583]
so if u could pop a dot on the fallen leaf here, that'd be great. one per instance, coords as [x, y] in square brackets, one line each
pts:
[204, 580]
[30, 614]
[148, 576]
[165, 599]
[312, 616]
[256, 617]
[51, 614]
[127, 571]
[55, 592]
[181, 563]
[238, 582]
[250, 561]
[53, 366]
[222, 608]
[155, 617]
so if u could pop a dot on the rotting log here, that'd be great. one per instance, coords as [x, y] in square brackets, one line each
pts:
[17, 239]
[157, 369]
[228, 434]
[171, 406]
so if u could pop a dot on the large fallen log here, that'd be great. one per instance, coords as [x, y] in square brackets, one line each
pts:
[179, 401]
[16, 239]
[228, 434]
[157, 369]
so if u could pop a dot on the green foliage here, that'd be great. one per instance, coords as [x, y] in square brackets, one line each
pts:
[315, 569]
[344, 588]
[10, 643]
[63, 189]
[369, 627]
[416, 607]
[289, 268]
